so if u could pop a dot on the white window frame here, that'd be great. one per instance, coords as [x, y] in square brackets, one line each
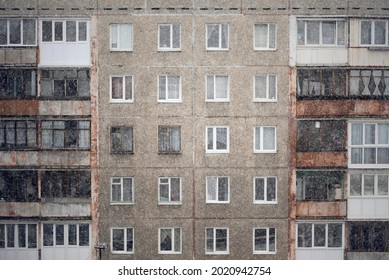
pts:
[372, 37]
[269, 78]
[66, 228]
[124, 240]
[267, 250]
[214, 249]
[267, 48]
[8, 44]
[118, 26]
[214, 90]
[375, 187]
[166, 98]
[171, 39]
[321, 44]
[121, 184]
[16, 233]
[173, 239]
[123, 98]
[214, 140]
[261, 148]
[313, 246]
[64, 35]
[364, 146]
[170, 202]
[216, 189]
[265, 191]
[220, 47]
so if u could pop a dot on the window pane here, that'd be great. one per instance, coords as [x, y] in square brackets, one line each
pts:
[221, 87]
[329, 32]
[257, 138]
[176, 36]
[125, 34]
[213, 36]
[127, 139]
[260, 189]
[271, 189]
[127, 189]
[211, 188]
[116, 192]
[224, 42]
[382, 185]
[164, 36]
[304, 232]
[221, 240]
[22, 235]
[223, 189]
[383, 133]
[366, 32]
[3, 35]
[261, 36]
[209, 240]
[272, 36]
[48, 235]
[2, 236]
[130, 240]
[260, 87]
[383, 155]
[173, 87]
[320, 235]
[260, 239]
[15, 28]
[335, 235]
[58, 31]
[117, 87]
[32, 236]
[356, 155]
[369, 155]
[272, 87]
[176, 139]
[379, 32]
[368, 185]
[269, 138]
[71, 31]
[369, 134]
[84, 235]
[118, 239]
[29, 32]
[164, 192]
[301, 32]
[210, 87]
[59, 234]
[175, 189]
[162, 87]
[355, 184]
[71, 88]
[82, 31]
[221, 138]
[313, 32]
[177, 239]
[210, 138]
[72, 234]
[47, 31]
[341, 40]
[114, 36]
[166, 240]
[10, 235]
[272, 239]
[128, 85]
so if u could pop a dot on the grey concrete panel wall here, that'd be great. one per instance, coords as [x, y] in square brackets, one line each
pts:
[64, 108]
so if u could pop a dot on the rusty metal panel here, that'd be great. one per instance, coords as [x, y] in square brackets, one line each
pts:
[321, 208]
[19, 209]
[319, 159]
[19, 107]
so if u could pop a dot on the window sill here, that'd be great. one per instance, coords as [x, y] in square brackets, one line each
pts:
[217, 50]
[264, 253]
[265, 50]
[121, 203]
[118, 51]
[170, 203]
[169, 253]
[265, 100]
[265, 152]
[217, 202]
[122, 253]
[217, 152]
[265, 202]
[170, 101]
[217, 253]
[121, 153]
[170, 153]
[169, 50]
[121, 101]
[217, 100]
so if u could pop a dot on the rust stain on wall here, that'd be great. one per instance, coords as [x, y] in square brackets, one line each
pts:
[321, 208]
[331, 108]
[317, 159]
[19, 107]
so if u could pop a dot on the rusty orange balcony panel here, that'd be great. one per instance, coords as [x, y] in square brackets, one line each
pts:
[319, 159]
[321, 208]
[340, 108]
[19, 107]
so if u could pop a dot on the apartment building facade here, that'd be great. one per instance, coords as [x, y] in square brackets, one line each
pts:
[46, 132]
[339, 62]
[194, 129]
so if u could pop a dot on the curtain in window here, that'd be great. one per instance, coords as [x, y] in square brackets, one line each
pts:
[71, 31]
[221, 87]
[269, 138]
[211, 188]
[127, 189]
[166, 240]
[125, 35]
[176, 36]
[259, 189]
[213, 36]
[114, 36]
[29, 32]
[164, 36]
[84, 134]
[117, 87]
[329, 32]
[261, 36]
[173, 87]
[271, 189]
[176, 139]
[260, 87]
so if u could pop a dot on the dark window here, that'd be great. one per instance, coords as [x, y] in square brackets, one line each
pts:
[18, 134]
[57, 184]
[321, 83]
[19, 186]
[319, 185]
[65, 84]
[64, 31]
[66, 134]
[320, 136]
[17, 32]
[369, 236]
[17, 83]
[169, 139]
[369, 83]
[121, 140]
